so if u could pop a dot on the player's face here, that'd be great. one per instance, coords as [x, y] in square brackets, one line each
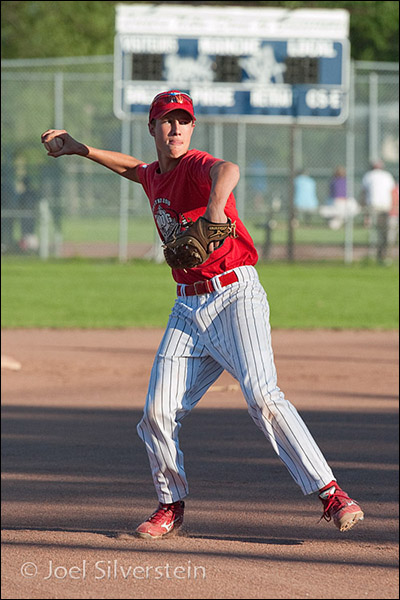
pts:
[172, 134]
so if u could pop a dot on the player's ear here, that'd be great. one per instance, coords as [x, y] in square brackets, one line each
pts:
[152, 127]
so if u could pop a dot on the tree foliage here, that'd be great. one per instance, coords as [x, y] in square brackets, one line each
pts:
[31, 29]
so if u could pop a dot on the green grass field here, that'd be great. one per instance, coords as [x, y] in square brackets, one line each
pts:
[95, 294]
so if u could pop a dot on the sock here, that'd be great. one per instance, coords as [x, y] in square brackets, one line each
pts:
[327, 487]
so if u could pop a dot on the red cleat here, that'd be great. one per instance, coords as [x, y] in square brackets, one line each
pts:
[344, 511]
[167, 518]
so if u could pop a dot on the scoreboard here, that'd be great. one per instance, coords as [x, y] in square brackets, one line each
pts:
[264, 64]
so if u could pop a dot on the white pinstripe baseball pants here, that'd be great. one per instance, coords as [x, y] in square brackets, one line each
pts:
[227, 329]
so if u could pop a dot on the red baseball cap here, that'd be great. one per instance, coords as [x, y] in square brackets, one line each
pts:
[172, 100]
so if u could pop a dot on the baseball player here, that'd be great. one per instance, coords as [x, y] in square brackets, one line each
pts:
[220, 319]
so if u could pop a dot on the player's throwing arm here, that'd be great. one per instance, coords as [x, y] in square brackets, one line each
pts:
[59, 142]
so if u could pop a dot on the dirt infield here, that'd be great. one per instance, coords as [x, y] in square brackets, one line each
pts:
[76, 479]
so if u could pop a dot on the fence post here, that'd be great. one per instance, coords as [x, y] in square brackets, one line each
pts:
[350, 161]
[218, 140]
[241, 159]
[124, 196]
[373, 118]
[59, 100]
[291, 211]
[44, 242]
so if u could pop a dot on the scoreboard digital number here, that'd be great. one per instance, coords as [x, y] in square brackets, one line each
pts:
[302, 76]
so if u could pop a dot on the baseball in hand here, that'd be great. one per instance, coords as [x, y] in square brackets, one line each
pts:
[54, 145]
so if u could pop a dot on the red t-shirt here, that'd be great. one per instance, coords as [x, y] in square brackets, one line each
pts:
[180, 196]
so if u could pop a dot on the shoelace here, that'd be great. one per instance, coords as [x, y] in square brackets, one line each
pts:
[161, 513]
[333, 501]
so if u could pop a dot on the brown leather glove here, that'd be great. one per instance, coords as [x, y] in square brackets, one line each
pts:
[191, 247]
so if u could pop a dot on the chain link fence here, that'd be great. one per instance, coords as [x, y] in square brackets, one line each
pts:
[300, 192]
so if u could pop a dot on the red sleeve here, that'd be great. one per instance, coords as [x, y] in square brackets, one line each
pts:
[201, 164]
[142, 172]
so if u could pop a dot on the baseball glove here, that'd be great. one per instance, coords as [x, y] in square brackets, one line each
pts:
[191, 247]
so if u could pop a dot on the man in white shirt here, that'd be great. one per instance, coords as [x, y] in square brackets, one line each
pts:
[378, 186]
